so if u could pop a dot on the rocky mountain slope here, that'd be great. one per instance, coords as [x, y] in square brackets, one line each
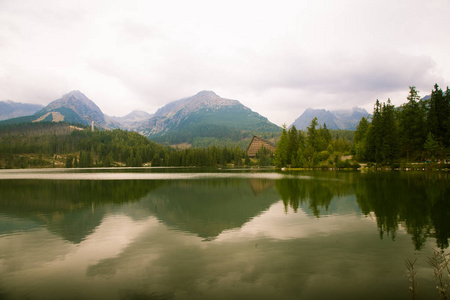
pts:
[337, 119]
[73, 107]
[133, 120]
[204, 115]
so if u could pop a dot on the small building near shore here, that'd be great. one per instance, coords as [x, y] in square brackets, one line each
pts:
[257, 143]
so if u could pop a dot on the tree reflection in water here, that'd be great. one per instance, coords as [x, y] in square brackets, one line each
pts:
[420, 202]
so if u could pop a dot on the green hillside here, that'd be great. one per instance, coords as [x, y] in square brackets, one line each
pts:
[225, 126]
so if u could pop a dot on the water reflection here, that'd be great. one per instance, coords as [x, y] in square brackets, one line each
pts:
[417, 201]
[207, 207]
[71, 209]
[298, 237]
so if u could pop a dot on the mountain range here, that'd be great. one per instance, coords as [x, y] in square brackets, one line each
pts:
[10, 109]
[205, 116]
[133, 120]
[336, 119]
[199, 120]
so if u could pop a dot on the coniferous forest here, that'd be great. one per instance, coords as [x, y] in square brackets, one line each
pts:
[416, 132]
[48, 144]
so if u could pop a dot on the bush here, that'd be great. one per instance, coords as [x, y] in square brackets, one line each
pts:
[344, 164]
[324, 155]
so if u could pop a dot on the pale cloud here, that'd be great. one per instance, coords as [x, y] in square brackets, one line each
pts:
[277, 58]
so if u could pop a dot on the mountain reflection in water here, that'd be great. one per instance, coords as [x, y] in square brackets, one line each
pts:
[207, 207]
[257, 237]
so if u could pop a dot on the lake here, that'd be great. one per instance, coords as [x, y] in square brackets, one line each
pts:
[223, 234]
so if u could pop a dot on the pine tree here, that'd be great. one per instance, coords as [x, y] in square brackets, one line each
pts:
[390, 147]
[438, 115]
[412, 124]
[359, 139]
[374, 134]
[313, 135]
[280, 159]
[293, 145]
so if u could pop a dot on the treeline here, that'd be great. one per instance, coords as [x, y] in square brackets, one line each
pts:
[418, 130]
[315, 147]
[30, 145]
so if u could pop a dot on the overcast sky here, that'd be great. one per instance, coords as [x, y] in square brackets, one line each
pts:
[276, 57]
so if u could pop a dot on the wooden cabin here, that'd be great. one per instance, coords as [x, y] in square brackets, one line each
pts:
[256, 144]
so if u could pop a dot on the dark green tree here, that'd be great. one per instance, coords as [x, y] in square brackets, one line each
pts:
[293, 145]
[360, 139]
[438, 115]
[374, 135]
[412, 124]
[280, 159]
[313, 135]
[390, 148]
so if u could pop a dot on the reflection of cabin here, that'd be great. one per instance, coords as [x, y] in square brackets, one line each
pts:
[260, 185]
[256, 144]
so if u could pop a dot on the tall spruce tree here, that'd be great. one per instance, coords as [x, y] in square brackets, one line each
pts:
[374, 135]
[390, 147]
[412, 124]
[313, 134]
[438, 114]
[280, 159]
[293, 145]
[360, 139]
[447, 122]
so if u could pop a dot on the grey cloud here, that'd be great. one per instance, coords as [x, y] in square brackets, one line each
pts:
[375, 72]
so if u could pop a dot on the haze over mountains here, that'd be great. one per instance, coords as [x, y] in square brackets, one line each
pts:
[205, 116]
[199, 120]
[11, 109]
[336, 119]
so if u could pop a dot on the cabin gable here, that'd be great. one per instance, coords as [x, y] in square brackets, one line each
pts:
[256, 144]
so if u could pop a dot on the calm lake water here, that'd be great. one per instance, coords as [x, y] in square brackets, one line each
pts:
[179, 234]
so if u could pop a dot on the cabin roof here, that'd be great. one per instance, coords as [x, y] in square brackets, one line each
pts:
[256, 144]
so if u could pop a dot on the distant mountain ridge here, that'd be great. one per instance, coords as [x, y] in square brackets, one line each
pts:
[73, 107]
[336, 119]
[204, 115]
[10, 109]
[133, 120]
[200, 120]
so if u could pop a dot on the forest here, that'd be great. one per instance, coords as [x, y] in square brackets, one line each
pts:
[416, 132]
[48, 144]
[315, 147]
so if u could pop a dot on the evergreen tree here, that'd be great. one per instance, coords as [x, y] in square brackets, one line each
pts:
[361, 130]
[431, 145]
[238, 156]
[360, 139]
[382, 144]
[390, 147]
[324, 138]
[438, 115]
[374, 135]
[313, 135]
[447, 121]
[293, 145]
[412, 124]
[280, 159]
